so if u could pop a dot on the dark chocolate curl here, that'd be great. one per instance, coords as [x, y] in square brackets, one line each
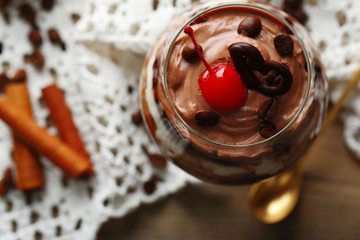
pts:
[247, 58]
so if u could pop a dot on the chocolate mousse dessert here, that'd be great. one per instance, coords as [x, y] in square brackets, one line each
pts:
[233, 93]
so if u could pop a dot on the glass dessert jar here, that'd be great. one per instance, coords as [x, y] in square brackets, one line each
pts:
[233, 92]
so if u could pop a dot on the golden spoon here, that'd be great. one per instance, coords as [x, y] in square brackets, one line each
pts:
[273, 199]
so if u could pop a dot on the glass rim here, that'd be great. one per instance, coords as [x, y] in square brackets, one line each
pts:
[253, 6]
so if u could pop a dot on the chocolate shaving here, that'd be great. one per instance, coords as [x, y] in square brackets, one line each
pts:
[250, 26]
[207, 118]
[1, 47]
[284, 44]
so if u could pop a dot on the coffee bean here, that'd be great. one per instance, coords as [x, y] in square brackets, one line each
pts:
[150, 186]
[47, 4]
[54, 36]
[250, 26]
[273, 78]
[206, 118]
[189, 53]
[301, 16]
[284, 44]
[4, 4]
[293, 4]
[136, 118]
[272, 111]
[158, 160]
[35, 37]
[267, 129]
[36, 58]
[264, 107]
[27, 12]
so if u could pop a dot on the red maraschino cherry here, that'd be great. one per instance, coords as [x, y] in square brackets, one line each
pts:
[220, 84]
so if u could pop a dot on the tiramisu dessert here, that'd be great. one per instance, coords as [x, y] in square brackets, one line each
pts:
[233, 92]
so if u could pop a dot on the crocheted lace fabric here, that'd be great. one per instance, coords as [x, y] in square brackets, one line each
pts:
[99, 73]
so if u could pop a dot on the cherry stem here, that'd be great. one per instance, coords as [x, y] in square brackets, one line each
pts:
[189, 31]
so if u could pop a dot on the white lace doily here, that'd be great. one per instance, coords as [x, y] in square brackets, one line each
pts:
[99, 73]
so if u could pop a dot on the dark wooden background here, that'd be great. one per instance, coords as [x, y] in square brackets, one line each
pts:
[329, 207]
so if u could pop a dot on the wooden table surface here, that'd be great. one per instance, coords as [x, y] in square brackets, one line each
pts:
[329, 207]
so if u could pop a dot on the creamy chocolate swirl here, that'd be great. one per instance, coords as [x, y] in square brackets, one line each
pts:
[215, 35]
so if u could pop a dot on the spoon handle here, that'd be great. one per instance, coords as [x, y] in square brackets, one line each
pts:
[295, 171]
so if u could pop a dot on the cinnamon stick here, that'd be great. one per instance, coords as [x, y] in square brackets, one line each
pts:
[29, 174]
[5, 182]
[39, 139]
[62, 118]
